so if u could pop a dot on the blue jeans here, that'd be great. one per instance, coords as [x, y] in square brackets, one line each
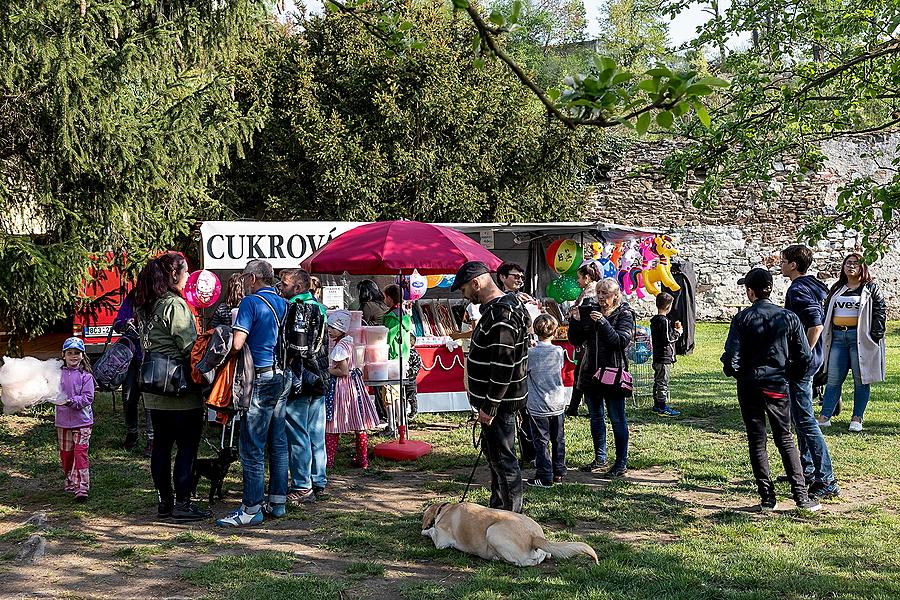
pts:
[305, 416]
[615, 405]
[814, 454]
[262, 426]
[844, 357]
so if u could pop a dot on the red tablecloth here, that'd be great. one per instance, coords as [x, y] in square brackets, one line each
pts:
[442, 370]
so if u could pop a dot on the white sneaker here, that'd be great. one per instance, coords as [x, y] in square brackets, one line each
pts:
[855, 426]
[825, 423]
[239, 518]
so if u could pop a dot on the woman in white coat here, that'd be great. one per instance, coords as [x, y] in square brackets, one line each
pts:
[853, 338]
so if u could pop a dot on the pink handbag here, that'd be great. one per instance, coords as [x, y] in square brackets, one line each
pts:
[616, 377]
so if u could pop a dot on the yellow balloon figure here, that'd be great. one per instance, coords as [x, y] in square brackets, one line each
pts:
[664, 248]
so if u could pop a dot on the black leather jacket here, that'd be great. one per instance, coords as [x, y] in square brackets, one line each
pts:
[766, 347]
[604, 344]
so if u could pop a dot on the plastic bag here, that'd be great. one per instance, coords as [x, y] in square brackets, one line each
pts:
[28, 381]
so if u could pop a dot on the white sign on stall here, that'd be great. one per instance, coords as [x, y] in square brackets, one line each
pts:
[284, 244]
[487, 238]
[333, 296]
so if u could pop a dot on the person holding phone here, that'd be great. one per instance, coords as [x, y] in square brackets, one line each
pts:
[605, 327]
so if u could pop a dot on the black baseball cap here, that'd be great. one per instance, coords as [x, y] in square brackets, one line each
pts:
[468, 272]
[756, 279]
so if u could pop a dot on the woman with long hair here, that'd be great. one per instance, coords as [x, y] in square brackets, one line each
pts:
[167, 328]
[371, 302]
[227, 309]
[605, 328]
[855, 314]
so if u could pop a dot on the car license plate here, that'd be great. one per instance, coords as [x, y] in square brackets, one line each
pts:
[97, 330]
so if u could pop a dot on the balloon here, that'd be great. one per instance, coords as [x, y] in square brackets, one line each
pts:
[447, 281]
[554, 291]
[569, 288]
[660, 249]
[434, 280]
[607, 268]
[564, 256]
[202, 289]
[418, 285]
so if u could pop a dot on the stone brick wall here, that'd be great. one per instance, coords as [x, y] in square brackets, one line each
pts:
[743, 230]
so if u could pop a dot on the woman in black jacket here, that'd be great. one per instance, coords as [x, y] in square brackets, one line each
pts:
[605, 331]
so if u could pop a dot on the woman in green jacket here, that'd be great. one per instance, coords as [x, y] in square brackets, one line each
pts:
[168, 327]
[397, 344]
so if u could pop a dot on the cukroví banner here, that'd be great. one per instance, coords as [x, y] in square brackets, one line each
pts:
[230, 244]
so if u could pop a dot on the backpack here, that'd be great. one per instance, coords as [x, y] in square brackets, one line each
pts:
[111, 368]
[307, 351]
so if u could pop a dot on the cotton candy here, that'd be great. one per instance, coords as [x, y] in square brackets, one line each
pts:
[28, 381]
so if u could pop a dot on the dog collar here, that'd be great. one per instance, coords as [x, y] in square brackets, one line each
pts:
[436, 515]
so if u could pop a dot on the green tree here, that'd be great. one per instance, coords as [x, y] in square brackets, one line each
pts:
[114, 117]
[549, 39]
[356, 133]
[634, 34]
[815, 71]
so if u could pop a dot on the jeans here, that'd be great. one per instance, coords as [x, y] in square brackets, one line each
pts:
[755, 407]
[305, 427]
[661, 372]
[526, 436]
[498, 440]
[615, 405]
[844, 357]
[814, 455]
[175, 427]
[262, 426]
[549, 447]
[131, 396]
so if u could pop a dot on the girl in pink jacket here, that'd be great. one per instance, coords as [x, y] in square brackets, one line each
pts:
[75, 417]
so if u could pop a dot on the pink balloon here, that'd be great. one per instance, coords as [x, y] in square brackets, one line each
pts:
[202, 289]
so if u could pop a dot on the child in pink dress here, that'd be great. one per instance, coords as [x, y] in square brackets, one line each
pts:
[348, 405]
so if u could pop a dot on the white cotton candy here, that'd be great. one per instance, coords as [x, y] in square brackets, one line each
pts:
[28, 381]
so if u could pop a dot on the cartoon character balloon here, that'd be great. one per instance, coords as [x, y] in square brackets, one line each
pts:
[564, 256]
[202, 289]
[447, 281]
[434, 280]
[630, 271]
[661, 249]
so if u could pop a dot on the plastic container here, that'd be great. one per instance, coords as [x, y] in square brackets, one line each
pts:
[358, 335]
[393, 369]
[360, 356]
[375, 335]
[376, 353]
[377, 371]
[355, 319]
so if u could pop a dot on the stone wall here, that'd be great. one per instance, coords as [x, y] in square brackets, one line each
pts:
[743, 230]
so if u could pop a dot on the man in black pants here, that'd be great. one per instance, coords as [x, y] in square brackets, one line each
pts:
[766, 350]
[497, 367]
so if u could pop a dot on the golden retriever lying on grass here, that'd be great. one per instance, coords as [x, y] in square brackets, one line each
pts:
[494, 534]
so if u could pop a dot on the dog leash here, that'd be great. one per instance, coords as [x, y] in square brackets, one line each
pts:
[476, 443]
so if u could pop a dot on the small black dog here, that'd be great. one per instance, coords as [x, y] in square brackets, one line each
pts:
[214, 469]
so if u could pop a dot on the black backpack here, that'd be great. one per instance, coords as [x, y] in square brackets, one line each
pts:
[111, 368]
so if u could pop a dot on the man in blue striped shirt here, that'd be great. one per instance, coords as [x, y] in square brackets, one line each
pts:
[496, 369]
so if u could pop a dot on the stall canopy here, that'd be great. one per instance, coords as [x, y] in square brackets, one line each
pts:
[392, 247]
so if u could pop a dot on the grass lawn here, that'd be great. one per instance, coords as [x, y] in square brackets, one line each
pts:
[681, 525]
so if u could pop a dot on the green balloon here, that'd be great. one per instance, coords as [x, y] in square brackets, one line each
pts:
[554, 289]
[569, 288]
[579, 258]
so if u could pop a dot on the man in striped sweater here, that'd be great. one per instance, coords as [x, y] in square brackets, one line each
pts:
[496, 369]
